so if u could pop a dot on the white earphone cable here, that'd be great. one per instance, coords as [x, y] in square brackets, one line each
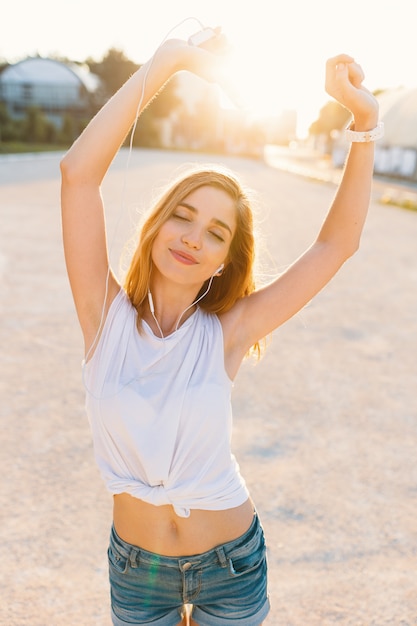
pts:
[122, 204]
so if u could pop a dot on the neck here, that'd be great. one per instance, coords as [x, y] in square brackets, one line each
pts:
[171, 315]
[168, 324]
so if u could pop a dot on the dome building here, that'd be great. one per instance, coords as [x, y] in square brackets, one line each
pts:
[396, 153]
[56, 88]
[398, 110]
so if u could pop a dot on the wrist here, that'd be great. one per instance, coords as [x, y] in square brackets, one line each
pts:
[171, 57]
[363, 124]
[364, 136]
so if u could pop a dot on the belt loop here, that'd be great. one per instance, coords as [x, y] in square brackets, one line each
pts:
[221, 555]
[133, 558]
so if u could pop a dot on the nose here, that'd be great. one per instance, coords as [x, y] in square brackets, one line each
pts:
[192, 238]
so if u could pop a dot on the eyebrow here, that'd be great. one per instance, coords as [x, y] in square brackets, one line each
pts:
[214, 219]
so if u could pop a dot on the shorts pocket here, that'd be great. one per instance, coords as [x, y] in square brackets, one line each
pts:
[117, 561]
[248, 558]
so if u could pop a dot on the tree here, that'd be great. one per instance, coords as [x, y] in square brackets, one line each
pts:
[10, 129]
[114, 69]
[332, 116]
[67, 134]
[4, 115]
[34, 127]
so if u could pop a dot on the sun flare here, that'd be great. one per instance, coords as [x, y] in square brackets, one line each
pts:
[261, 95]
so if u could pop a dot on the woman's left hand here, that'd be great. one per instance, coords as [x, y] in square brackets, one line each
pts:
[344, 83]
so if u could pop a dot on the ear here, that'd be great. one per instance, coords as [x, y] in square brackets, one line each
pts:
[219, 270]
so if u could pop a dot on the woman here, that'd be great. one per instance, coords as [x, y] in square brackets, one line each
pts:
[161, 353]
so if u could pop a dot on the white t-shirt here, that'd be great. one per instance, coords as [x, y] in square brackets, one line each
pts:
[160, 412]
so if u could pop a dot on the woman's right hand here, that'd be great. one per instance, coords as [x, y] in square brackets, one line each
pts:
[206, 60]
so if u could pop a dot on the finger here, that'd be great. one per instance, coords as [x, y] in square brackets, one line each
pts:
[333, 62]
[219, 44]
[336, 70]
[356, 74]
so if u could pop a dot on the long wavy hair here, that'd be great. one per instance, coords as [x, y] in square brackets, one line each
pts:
[237, 279]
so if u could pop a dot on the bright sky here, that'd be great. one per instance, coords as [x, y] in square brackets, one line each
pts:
[281, 47]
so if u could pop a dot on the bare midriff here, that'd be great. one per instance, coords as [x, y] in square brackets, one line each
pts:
[159, 529]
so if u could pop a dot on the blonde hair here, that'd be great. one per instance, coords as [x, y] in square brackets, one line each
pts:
[237, 279]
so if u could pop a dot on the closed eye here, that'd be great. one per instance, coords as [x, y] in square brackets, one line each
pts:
[181, 217]
[216, 235]
[186, 218]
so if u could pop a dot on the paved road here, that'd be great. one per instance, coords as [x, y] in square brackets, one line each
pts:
[325, 425]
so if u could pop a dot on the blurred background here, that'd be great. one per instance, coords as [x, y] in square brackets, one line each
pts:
[59, 64]
[325, 426]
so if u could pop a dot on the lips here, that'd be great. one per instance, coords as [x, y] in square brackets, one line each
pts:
[183, 257]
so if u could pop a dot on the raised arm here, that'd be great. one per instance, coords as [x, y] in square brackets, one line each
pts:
[86, 163]
[259, 314]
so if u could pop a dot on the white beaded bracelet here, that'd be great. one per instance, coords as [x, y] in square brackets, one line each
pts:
[366, 136]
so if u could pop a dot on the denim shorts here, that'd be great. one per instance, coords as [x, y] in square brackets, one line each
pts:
[225, 585]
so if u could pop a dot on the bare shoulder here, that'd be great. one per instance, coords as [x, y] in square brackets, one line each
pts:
[92, 313]
[235, 346]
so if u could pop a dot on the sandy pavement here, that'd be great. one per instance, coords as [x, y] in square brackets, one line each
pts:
[325, 425]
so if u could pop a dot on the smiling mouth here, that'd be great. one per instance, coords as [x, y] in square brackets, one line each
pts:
[183, 257]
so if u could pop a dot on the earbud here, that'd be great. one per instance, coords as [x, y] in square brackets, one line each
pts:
[150, 300]
[219, 270]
